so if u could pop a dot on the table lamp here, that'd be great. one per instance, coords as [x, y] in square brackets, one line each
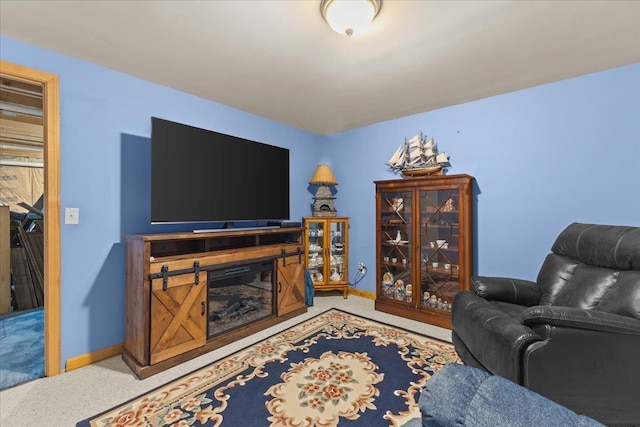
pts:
[323, 200]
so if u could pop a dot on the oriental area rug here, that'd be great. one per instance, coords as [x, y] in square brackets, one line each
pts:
[336, 369]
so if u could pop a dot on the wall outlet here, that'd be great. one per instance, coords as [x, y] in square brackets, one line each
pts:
[361, 267]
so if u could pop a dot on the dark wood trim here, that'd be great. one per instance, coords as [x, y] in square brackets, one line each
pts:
[426, 315]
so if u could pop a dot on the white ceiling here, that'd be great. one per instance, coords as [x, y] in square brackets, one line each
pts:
[280, 59]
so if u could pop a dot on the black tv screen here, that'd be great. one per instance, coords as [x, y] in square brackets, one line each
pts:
[199, 175]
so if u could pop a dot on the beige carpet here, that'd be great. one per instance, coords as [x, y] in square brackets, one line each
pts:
[65, 399]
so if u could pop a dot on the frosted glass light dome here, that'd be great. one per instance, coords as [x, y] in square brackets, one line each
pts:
[349, 16]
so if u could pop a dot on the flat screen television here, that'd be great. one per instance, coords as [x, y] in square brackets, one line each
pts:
[199, 176]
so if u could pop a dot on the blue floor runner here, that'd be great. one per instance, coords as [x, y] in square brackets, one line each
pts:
[21, 348]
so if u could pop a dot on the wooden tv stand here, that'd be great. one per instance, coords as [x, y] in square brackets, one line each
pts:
[166, 313]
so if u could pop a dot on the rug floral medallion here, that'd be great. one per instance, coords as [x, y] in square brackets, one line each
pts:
[336, 369]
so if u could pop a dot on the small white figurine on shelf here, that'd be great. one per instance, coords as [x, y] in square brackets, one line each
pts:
[433, 301]
[449, 206]
[425, 298]
[398, 237]
[397, 204]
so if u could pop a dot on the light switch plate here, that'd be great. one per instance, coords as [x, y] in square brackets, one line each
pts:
[72, 215]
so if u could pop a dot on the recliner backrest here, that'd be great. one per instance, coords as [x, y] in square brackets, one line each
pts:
[594, 267]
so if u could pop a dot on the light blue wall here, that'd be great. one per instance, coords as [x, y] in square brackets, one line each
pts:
[543, 157]
[105, 171]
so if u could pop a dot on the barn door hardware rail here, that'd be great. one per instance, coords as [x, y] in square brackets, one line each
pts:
[165, 272]
[285, 255]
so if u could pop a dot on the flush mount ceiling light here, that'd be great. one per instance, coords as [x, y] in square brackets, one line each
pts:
[349, 16]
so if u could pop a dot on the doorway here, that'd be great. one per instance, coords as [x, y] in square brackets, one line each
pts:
[51, 204]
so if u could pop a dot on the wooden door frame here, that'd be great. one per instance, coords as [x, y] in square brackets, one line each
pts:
[51, 115]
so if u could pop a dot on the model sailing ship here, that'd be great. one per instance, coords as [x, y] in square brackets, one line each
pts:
[418, 156]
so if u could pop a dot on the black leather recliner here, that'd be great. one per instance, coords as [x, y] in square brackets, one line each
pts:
[573, 335]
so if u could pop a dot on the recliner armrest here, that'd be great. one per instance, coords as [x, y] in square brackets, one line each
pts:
[515, 291]
[581, 319]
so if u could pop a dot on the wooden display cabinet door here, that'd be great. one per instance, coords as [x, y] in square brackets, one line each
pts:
[317, 258]
[178, 315]
[396, 248]
[441, 244]
[290, 284]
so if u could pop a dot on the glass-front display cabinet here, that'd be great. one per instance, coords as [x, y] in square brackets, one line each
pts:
[326, 254]
[424, 245]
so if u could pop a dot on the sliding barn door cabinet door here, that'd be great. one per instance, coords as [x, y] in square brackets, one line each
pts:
[290, 291]
[178, 315]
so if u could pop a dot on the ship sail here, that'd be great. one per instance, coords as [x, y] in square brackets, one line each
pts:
[396, 161]
[418, 156]
[430, 147]
[443, 159]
